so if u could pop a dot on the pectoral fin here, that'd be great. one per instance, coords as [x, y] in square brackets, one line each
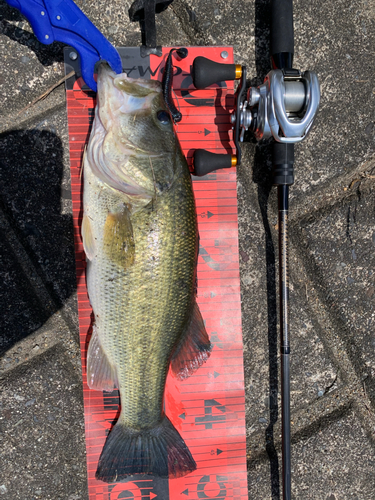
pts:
[118, 238]
[194, 348]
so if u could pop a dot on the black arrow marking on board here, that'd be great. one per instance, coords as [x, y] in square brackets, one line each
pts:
[186, 492]
[216, 374]
[209, 214]
[183, 415]
[206, 132]
[218, 452]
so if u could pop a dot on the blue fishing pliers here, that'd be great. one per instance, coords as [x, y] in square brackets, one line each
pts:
[63, 21]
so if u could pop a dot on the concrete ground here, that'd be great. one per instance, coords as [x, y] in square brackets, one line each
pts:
[332, 238]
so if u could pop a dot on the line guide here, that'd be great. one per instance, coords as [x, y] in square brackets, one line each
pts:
[208, 408]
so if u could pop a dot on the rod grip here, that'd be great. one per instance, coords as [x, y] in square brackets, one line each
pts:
[206, 162]
[283, 164]
[207, 72]
[282, 33]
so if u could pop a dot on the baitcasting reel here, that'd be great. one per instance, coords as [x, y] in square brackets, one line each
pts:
[283, 107]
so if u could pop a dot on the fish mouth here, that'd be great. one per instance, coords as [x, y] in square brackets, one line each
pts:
[105, 71]
[124, 94]
[120, 94]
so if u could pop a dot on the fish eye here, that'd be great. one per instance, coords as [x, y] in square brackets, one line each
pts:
[163, 117]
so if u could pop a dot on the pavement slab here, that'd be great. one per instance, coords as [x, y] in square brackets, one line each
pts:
[312, 371]
[337, 40]
[42, 440]
[113, 21]
[16, 322]
[36, 203]
[331, 256]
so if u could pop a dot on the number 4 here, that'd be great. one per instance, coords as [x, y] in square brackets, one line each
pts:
[209, 419]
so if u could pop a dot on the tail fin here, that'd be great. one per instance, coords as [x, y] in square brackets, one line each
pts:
[159, 451]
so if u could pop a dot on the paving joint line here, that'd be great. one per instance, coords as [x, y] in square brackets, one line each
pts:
[329, 408]
[32, 346]
[327, 333]
[335, 191]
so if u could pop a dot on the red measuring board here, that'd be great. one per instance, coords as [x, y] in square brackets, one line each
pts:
[208, 408]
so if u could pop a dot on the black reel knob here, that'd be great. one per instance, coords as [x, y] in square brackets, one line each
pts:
[206, 162]
[207, 72]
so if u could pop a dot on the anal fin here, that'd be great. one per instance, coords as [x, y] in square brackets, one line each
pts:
[87, 238]
[194, 348]
[101, 376]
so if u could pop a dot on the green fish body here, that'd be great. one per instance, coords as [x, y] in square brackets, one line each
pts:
[140, 236]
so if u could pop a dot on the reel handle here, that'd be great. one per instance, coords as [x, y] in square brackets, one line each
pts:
[206, 162]
[207, 72]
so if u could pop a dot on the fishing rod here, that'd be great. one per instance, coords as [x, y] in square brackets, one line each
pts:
[284, 108]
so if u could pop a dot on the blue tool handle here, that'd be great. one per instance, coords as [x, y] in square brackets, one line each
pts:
[35, 11]
[63, 21]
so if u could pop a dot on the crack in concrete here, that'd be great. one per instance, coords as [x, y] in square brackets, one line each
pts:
[187, 19]
[40, 110]
[306, 421]
[337, 191]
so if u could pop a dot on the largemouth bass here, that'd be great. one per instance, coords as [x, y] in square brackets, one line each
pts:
[140, 237]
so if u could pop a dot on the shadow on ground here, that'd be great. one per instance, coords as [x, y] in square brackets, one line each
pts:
[263, 178]
[32, 205]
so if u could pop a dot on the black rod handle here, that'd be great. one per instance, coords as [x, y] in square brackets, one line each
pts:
[282, 33]
[283, 164]
[286, 451]
[207, 72]
[206, 162]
